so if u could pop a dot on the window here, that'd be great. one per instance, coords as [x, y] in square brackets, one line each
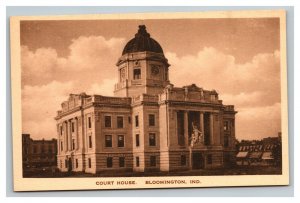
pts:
[226, 125]
[119, 122]
[90, 162]
[66, 163]
[136, 121]
[76, 163]
[90, 142]
[61, 130]
[73, 127]
[73, 144]
[107, 120]
[226, 141]
[137, 140]
[137, 161]
[108, 141]
[129, 119]
[120, 140]
[121, 162]
[152, 141]
[89, 122]
[152, 160]
[137, 74]
[61, 146]
[183, 160]
[109, 162]
[151, 120]
[209, 159]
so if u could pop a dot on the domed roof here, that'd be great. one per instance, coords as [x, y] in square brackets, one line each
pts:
[142, 42]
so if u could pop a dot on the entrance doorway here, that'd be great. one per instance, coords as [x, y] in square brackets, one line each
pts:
[198, 161]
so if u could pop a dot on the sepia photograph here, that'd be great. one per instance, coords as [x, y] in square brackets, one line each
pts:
[157, 100]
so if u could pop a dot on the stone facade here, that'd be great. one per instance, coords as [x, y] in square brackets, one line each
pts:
[150, 125]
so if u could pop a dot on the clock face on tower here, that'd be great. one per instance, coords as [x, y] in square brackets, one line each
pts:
[155, 69]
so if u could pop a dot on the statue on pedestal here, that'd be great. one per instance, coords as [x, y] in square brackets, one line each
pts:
[197, 135]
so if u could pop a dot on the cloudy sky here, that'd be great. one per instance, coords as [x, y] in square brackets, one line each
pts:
[237, 57]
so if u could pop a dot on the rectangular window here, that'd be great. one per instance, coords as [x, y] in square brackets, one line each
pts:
[119, 121]
[76, 163]
[136, 121]
[183, 160]
[137, 74]
[66, 163]
[152, 160]
[89, 122]
[90, 142]
[137, 161]
[151, 120]
[61, 146]
[137, 140]
[73, 144]
[108, 141]
[120, 140]
[109, 162]
[90, 162]
[129, 119]
[209, 159]
[107, 120]
[73, 127]
[121, 162]
[152, 141]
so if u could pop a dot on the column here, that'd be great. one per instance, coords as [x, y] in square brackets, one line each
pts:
[186, 129]
[70, 137]
[66, 136]
[58, 138]
[211, 118]
[202, 124]
[77, 133]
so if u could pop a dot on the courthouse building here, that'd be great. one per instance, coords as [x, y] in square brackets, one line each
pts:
[149, 125]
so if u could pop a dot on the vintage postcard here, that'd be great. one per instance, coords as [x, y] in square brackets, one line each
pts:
[156, 100]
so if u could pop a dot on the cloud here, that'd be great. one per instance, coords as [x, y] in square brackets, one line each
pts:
[213, 69]
[93, 52]
[93, 56]
[39, 65]
[39, 106]
[106, 88]
[258, 122]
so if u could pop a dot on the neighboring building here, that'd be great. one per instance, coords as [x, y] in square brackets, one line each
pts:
[38, 153]
[149, 125]
[260, 152]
